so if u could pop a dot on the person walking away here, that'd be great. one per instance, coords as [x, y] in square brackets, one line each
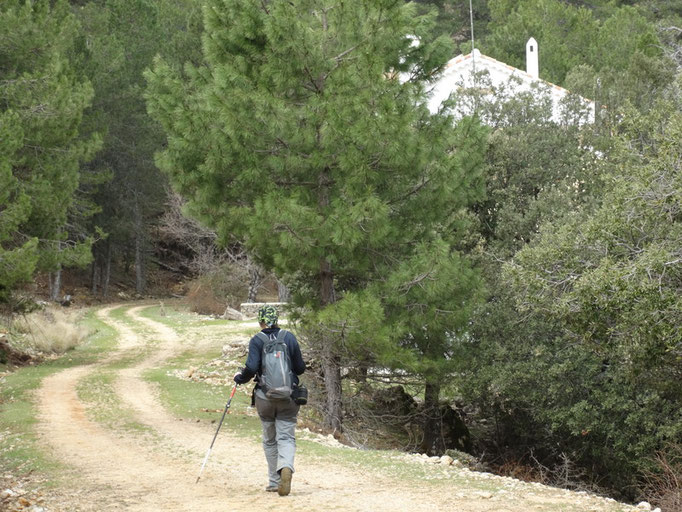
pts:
[276, 409]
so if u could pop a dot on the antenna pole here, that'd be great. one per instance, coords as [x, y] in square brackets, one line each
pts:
[473, 55]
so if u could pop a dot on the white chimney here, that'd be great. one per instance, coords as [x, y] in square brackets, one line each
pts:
[532, 62]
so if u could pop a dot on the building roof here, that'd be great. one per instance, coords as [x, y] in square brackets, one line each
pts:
[459, 73]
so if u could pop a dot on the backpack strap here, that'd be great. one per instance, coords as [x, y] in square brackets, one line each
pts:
[267, 339]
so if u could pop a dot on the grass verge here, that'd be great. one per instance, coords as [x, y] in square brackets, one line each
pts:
[97, 390]
[199, 401]
[179, 318]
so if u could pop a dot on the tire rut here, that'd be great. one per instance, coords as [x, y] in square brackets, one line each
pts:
[118, 473]
[240, 455]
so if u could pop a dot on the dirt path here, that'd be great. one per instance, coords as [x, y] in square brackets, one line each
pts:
[119, 471]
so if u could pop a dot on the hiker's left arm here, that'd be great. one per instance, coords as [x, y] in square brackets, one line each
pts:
[252, 363]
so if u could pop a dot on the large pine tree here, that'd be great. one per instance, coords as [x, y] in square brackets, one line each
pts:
[305, 133]
[42, 100]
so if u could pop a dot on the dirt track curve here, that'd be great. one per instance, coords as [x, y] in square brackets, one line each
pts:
[119, 471]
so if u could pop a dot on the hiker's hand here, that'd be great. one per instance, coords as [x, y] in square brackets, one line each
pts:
[238, 378]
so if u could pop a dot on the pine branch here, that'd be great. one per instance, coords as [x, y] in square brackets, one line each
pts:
[417, 281]
[341, 55]
[283, 183]
[412, 192]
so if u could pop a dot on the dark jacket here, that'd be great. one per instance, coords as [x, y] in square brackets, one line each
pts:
[253, 360]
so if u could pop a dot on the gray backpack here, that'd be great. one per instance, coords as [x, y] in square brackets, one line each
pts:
[276, 379]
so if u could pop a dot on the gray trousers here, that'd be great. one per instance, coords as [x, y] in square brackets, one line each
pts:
[278, 418]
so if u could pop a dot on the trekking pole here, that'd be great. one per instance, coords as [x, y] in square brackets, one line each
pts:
[227, 406]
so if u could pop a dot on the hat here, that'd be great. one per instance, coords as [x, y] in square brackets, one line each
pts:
[267, 315]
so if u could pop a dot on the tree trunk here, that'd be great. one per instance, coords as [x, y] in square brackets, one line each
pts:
[331, 367]
[126, 261]
[283, 293]
[139, 267]
[255, 280]
[106, 275]
[432, 443]
[327, 292]
[331, 362]
[94, 275]
[139, 252]
[55, 285]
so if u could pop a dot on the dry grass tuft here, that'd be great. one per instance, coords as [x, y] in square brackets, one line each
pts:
[51, 330]
[664, 485]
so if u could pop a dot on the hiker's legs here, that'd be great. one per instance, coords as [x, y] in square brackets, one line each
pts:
[270, 449]
[285, 426]
[278, 418]
[267, 417]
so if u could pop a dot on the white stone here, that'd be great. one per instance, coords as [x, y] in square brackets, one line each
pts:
[644, 505]
[7, 493]
[233, 314]
[446, 459]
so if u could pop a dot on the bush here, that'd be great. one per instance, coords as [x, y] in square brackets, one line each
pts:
[585, 416]
[211, 293]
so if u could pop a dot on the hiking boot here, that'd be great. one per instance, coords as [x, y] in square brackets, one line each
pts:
[285, 483]
[272, 488]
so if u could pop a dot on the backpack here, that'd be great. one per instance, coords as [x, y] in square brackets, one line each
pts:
[276, 379]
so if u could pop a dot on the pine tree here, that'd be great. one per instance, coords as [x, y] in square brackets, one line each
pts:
[42, 101]
[301, 135]
[123, 36]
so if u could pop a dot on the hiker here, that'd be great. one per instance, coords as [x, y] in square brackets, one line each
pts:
[277, 414]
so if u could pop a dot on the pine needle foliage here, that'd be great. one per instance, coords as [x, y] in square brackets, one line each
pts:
[42, 99]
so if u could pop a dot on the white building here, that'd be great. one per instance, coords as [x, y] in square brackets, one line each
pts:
[479, 71]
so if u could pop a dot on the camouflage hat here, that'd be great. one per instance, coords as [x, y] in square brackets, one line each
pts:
[267, 315]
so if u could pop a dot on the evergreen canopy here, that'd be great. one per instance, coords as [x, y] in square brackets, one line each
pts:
[306, 133]
[42, 100]
[299, 135]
